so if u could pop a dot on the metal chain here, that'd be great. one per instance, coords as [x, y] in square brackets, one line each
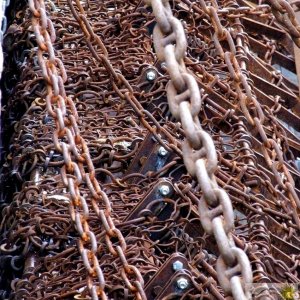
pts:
[285, 15]
[199, 154]
[236, 62]
[250, 105]
[125, 91]
[90, 30]
[63, 110]
[230, 12]
[108, 76]
[271, 149]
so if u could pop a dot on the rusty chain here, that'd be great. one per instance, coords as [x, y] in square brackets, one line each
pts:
[238, 73]
[285, 15]
[199, 154]
[248, 108]
[241, 83]
[63, 110]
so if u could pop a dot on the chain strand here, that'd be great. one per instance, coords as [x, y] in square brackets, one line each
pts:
[62, 109]
[199, 154]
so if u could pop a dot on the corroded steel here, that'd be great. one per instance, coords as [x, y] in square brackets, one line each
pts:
[78, 168]
[198, 150]
[98, 198]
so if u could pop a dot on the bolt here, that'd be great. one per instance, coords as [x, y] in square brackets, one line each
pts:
[177, 265]
[162, 151]
[182, 283]
[164, 190]
[151, 75]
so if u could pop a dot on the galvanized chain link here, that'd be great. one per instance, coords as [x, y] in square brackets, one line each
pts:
[199, 154]
[74, 174]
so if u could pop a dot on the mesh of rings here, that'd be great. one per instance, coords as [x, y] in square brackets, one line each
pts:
[103, 103]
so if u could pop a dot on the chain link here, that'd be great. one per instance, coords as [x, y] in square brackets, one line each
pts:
[119, 92]
[285, 15]
[250, 106]
[199, 154]
[236, 61]
[63, 110]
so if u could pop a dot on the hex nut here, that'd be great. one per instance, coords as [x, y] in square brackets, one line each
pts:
[150, 75]
[162, 151]
[164, 190]
[182, 283]
[177, 265]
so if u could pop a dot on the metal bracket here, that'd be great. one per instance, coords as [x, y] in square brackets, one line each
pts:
[173, 277]
[162, 190]
[150, 157]
[147, 78]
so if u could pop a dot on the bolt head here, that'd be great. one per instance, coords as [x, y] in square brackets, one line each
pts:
[182, 283]
[164, 190]
[177, 265]
[151, 75]
[162, 151]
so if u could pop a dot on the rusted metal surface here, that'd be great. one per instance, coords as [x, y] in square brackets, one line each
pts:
[198, 150]
[297, 49]
[151, 150]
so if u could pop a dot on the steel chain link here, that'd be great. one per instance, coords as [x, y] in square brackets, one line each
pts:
[246, 174]
[63, 110]
[250, 105]
[199, 154]
[240, 78]
[285, 15]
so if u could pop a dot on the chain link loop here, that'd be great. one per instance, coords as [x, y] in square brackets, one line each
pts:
[119, 91]
[199, 154]
[285, 15]
[63, 110]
